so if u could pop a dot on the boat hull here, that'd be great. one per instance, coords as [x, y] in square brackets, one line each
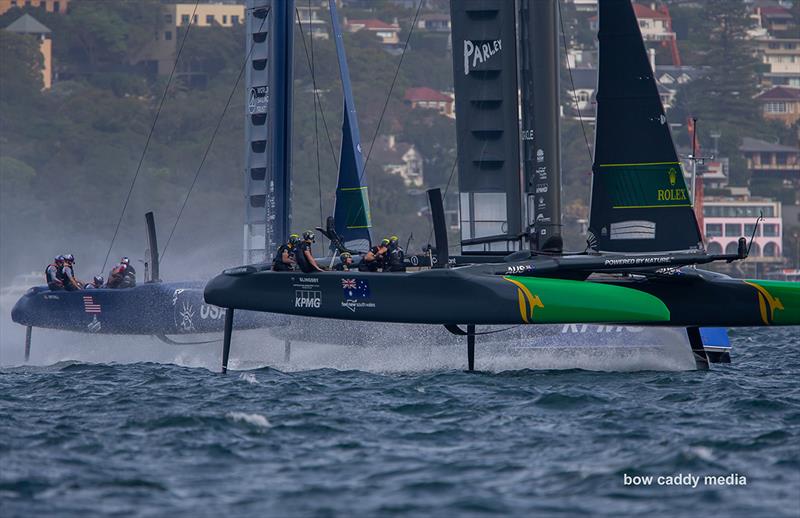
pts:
[473, 296]
[147, 309]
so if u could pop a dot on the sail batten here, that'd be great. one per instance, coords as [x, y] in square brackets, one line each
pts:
[636, 172]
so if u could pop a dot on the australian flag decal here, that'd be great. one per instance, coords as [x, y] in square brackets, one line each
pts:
[355, 289]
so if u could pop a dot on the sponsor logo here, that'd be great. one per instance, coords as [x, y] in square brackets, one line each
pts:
[477, 52]
[541, 172]
[528, 302]
[353, 305]
[94, 326]
[258, 100]
[540, 218]
[767, 304]
[583, 328]
[639, 261]
[211, 312]
[307, 299]
[541, 188]
[527, 134]
[186, 315]
[672, 195]
[540, 155]
[519, 268]
[673, 176]
[51, 297]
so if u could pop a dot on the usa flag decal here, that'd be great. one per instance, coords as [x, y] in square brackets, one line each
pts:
[90, 306]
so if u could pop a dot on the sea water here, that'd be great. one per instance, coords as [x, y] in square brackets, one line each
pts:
[95, 437]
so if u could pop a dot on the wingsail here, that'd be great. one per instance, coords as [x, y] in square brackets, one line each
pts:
[640, 202]
[351, 211]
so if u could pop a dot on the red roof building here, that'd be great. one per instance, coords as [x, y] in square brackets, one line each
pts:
[429, 99]
[388, 33]
[780, 103]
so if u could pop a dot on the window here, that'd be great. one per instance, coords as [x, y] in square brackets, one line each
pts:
[235, 19]
[27, 3]
[733, 230]
[184, 19]
[168, 18]
[194, 19]
[755, 250]
[56, 7]
[789, 46]
[771, 230]
[775, 107]
[155, 35]
[714, 230]
[770, 250]
[774, 45]
[210, 19]
[781, 158]
[748, 229]
[732, 247]
[13, 3]
[168, 35]
[224, 19]
[714, 248]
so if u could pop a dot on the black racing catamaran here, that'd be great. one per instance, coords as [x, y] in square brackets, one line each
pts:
[639, 269]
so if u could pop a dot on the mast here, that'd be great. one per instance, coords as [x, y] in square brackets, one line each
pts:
[268, 125]
[487, 128]
[539, 90]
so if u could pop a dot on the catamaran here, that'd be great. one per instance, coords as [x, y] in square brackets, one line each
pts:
[639, 267]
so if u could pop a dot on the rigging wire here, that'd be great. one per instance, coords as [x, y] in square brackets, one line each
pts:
[391, 88]
[149, 136]
[210, 143]
[572, 82]
[316, 127]
[316, 93]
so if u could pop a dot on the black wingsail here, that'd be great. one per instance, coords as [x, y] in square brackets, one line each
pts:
[639, 198]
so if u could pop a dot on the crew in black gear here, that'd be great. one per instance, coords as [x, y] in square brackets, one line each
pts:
[304, 256]
[53, 274]
[285, 260]
[123, 275]
[394, 260]
[345, 262]
[375, 258]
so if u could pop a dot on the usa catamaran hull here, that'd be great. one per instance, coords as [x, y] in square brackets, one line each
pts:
[471, 296]
[149, 309]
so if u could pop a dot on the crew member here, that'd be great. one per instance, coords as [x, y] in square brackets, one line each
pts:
[304, 256]
[394, 260]
[68, 274]
[284, 260]
[345, 262]
[53, 274]
[97, 282]
[123, 275]
[375, 258]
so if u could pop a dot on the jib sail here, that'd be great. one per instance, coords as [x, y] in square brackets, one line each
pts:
[351, 212]
[639, 198]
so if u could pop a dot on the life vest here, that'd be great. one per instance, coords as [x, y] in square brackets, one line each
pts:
[52, 274]
[300, 257]
[395, 261]
[277, 262]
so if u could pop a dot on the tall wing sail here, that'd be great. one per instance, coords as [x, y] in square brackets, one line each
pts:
[639, 198]
[351, 212]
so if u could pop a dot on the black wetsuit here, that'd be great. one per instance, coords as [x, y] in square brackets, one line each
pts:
[372, 266]
[395, 261]
[277, 264]
[300, 257]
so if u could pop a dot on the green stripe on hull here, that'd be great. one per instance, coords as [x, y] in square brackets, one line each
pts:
[779, 302]
[547, 301]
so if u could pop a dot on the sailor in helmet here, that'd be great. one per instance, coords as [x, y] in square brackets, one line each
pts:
[345, 262]
[96, 283]
[53, 274]
[68, 278]
[304, 256]
[376, 257]
[122, 275]
[284, 260]
[395, 257]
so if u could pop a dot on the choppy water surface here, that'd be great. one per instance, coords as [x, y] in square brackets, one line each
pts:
[151, 439]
